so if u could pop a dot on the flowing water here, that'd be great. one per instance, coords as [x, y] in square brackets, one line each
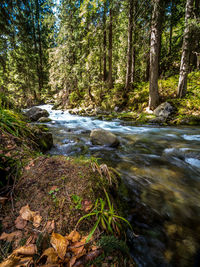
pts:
[161, 168]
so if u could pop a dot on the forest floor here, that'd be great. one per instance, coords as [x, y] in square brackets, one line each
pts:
[41, 203]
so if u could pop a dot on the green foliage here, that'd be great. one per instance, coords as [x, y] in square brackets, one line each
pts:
[54, 194]
[12, 123]
[105, 216]
[77, 201]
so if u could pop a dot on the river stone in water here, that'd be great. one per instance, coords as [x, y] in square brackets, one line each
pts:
[164, 110]
[36, 113]
[44, 119]
[103, 137]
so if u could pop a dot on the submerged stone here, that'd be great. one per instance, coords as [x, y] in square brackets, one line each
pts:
[44, 119]
[103, 137]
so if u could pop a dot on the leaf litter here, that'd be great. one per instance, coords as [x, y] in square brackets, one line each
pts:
[36, 213]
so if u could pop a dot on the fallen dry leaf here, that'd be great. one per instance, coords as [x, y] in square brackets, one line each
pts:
[26, 213]
[26, 250]
[11, 261]
[88, 257]
[37, 220]
[50, 226]
[72, 261]
[74, 236]
[77, 247]
[31, 240]
[86, 205]
[10, 237]
[20, 223]
[51, 256]
[59, 243]
[25, 262]
[51, 265]
[53, 188]
[29, 215]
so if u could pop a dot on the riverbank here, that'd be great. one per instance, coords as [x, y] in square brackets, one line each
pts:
[55, 194]
[111, 105]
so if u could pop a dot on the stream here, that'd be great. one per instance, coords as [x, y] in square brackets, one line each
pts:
[161, 169]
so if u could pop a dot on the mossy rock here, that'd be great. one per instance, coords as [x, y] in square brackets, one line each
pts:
[42, 137]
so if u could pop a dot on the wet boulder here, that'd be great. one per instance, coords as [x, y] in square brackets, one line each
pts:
[42, 137]
[103, 137]
[44, 119]
[36, 113]
[164, 110]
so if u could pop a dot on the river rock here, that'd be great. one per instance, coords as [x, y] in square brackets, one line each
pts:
[44, 119]
[36, 113]
[103, 137]
[164, 110]
[42, 137]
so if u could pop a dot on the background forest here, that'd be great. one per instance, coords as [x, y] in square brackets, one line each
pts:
[100, 52]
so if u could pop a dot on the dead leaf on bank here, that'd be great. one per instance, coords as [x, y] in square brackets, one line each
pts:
[29, 215]
[51, 265]
[11, 261]
[72, 261]
[29, 250]
[86, 205]
[74, 236]
[20, 223]
[60, 244]
[25, 262]
[37, 220]
[53, 188]
[51, 256]
[10, 237]
[26, 213]
[50, 226]
[77, 247]
[31, 240]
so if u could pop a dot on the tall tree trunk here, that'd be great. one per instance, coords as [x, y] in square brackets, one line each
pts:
[154, 53]
[133, 65]
[171, 27]
[110, 78]
[36, 50]
[130, 45]
[182, 85]
[104, 41]
[39, 46]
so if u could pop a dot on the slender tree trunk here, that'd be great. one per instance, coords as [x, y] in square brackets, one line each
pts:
[36, 51]
[197, 8]
[154, 54]
[110, 78]
[171, 27]
[182, 85]
[104, 42]
[130, 45]
[39, 46]
[133, 65]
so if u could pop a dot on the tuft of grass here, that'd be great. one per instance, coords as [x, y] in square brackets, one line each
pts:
[12, 123]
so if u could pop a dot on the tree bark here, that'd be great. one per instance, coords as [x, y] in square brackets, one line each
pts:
[39, 47]
[182, 85]
[110, 78]
[133, 65]
[130, 46]
[154, 53]
[104, 43]
[171, 27]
